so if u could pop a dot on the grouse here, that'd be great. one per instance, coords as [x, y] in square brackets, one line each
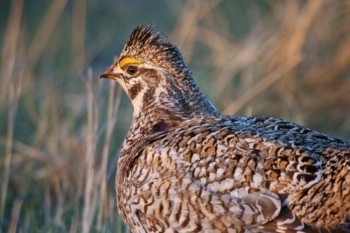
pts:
[184, 167]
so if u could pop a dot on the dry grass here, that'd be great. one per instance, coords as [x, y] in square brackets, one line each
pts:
[61, 126]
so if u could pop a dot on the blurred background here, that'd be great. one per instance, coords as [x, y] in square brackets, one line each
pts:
[61, 127]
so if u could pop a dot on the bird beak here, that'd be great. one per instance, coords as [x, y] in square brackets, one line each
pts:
[108, 73]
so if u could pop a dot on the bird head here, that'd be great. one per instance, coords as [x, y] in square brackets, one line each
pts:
[152, 72]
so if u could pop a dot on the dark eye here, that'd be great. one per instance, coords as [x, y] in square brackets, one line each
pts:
[131, 70]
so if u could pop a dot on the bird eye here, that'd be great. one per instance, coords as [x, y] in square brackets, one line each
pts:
[131, 70]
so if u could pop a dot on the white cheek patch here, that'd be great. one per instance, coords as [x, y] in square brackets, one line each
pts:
[118, 70]
[137, 101]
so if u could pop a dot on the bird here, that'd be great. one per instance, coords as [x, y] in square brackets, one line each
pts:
[185, 167]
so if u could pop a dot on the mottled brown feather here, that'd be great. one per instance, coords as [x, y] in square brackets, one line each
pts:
[184, 167]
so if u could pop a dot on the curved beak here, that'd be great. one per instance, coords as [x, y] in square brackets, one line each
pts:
[108, 73]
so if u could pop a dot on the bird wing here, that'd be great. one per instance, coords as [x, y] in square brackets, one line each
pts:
[251, 154]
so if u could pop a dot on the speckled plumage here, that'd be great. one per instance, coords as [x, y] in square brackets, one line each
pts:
[184, 167]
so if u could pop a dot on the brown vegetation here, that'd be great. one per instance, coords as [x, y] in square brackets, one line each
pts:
[61, 127]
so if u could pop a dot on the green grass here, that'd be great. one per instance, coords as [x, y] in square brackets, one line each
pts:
[61, 127]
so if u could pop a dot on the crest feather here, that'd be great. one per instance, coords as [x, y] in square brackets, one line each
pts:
[142, 35]
[148, 46]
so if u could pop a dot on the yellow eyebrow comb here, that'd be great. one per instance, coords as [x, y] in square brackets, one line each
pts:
[128, 60]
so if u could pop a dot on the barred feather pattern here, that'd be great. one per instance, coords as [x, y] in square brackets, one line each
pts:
[236, 174]
[184, 167]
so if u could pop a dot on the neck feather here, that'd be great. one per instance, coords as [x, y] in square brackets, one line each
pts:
[170, 103]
